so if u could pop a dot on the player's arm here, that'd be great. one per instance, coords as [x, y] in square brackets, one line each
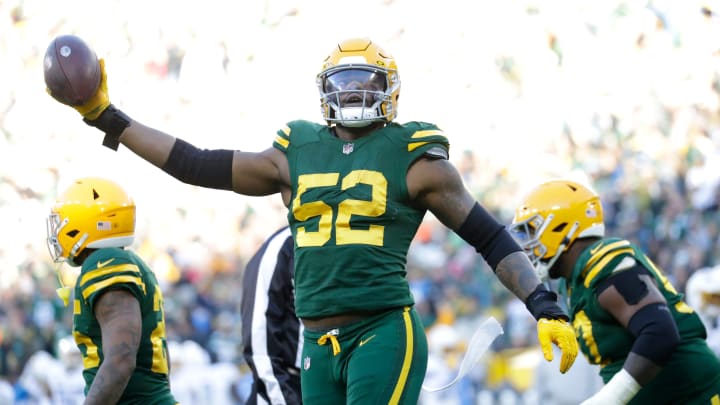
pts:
[632, 297]
[439, 188]
[244, 172]
[120, 319]
[436, 185]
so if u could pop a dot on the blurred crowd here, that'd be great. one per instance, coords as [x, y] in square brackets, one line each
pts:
[623, 95]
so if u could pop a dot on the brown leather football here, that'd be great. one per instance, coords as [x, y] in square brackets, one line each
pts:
[72, 70]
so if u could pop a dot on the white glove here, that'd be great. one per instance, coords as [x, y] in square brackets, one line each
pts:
[618, 391]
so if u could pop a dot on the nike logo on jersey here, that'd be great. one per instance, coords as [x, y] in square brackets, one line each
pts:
[362, 342]
[105, 263]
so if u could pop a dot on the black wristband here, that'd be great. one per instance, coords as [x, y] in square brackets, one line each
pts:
[543, 304]
[112, 122]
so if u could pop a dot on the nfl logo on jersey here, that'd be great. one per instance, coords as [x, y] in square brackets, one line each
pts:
[348, 148]
[306, 363]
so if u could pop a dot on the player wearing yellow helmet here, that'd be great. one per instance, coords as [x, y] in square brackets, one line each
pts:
[118, 320]
[628, 318]
[357, 187]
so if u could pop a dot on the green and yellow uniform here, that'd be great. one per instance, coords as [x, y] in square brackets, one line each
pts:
[112, 269]
[692, 375]
[352, 223]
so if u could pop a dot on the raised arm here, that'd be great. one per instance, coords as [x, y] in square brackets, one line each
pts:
[436, 185]
[246, 173]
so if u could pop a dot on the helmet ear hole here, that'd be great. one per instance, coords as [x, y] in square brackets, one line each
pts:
[73, 233]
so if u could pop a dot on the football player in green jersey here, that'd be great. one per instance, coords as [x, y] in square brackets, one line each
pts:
[650, 345]
[357, 187]
[118, 320]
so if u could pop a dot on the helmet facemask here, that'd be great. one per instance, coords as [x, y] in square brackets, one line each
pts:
[56, 225]
[355, 95]
[532, 234]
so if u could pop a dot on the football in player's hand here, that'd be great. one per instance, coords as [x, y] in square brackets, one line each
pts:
[72, 70]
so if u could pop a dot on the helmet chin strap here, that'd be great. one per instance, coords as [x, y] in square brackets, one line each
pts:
[63, 291]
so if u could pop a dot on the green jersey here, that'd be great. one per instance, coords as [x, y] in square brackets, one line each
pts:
[693, 371]
[350, 214]
[111, 269]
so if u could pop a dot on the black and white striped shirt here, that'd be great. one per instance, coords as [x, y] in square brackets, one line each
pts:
[271, 333]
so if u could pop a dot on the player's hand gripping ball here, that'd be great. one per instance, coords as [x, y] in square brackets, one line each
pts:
[72, 70]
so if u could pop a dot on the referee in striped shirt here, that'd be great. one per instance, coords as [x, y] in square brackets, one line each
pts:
[271, 333]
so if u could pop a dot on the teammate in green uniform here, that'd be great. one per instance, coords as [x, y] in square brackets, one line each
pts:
[650, 345]
[118, 320]
[356, 188]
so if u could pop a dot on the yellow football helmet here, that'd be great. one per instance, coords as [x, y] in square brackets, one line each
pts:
[551, 217]
[92, 213]
[359, 84]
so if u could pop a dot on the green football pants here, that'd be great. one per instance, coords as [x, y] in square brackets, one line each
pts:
[378, 360]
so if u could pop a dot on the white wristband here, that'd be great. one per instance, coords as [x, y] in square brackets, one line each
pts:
[619, 390]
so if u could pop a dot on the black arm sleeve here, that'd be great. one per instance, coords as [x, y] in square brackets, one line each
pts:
[200, 167]
[489, 238]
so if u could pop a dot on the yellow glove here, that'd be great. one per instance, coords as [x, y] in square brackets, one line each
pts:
[563, 335]
[92, 109]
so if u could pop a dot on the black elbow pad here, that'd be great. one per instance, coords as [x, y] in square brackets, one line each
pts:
[656, 333]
